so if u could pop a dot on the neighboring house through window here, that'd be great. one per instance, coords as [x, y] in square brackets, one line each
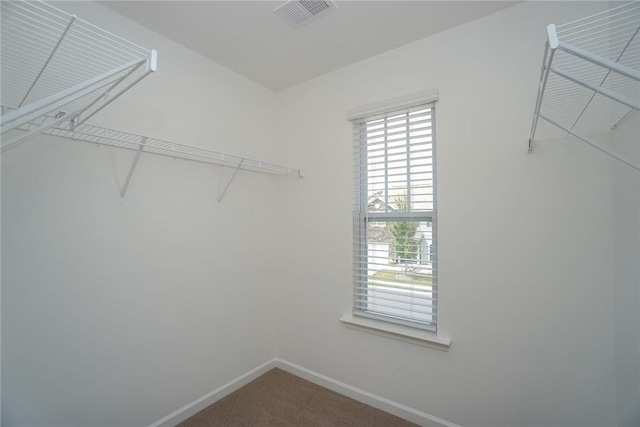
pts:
[395, 250]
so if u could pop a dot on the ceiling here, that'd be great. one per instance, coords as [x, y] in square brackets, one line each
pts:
[248, 38]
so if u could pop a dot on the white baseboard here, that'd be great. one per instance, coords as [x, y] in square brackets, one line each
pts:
[402, 411]
[199, 404]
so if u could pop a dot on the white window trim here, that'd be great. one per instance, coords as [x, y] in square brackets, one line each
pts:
[408, 101]
[411, 335]
[396, 332]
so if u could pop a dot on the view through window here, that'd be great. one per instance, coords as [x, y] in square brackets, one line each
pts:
[395, 256]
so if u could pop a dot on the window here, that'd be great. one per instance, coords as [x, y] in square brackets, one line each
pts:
[395, 250]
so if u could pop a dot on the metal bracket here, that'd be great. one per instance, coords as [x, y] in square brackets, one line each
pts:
[593, 144]
[60, 118]
[235, 172]
[51, 55]
[133, 166]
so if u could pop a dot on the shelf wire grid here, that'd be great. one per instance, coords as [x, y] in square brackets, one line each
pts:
[53, 63]
[117, 138]
[612, 35]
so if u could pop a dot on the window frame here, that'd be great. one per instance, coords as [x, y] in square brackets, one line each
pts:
[363, 217]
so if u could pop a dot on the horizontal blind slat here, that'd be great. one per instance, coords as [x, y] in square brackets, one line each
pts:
[395, 254]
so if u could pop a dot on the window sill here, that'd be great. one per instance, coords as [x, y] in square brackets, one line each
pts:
[396, 332]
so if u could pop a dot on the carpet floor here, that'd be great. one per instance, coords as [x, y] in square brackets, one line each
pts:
[279, 399]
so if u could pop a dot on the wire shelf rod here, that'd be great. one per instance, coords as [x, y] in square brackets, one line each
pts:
[69, 78]
[42, 128]
[26, 19]
[630, 58]
[547, 60]
[613, 22]
[593, 144]
[19, 117]
[614, 66]
[77, 38]
[602, 35]
[64, 74]
[600, 15]
[609, 29]
[567, 60]
[36, 8]
[564, 106]
[565, 94]
[614, 25]
[605, 79]
[117, 95]
[88, 95]
[100, 52]
[112, 39]
[54, 85]
[594, 38]
[87, 58]
[108, 39]
[53, 52]
[584, 71]
[593, 79]
[567, 91]
[607, 52]
[625, 117]
[150, 68]
[96, 46]
[38, 36]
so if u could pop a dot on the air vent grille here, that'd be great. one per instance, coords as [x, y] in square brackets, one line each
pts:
[300, 12]
[313, 6]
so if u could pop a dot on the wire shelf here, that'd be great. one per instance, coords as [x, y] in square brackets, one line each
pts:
[590, 79]
[57, 71]
[54, 64]
[127, 140]
[117, 138]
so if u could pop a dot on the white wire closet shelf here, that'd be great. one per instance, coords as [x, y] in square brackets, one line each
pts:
[57, 71]
[590, 78]
[58, 68]
[117, 138]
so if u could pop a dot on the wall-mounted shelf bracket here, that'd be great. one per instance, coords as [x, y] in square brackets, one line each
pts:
[590, 77]
[233, 176]
[132, 168]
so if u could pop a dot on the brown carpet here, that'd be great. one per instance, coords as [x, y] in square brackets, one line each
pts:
[279, 398]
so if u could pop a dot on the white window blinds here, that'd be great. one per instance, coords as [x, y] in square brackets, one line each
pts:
[395, 252]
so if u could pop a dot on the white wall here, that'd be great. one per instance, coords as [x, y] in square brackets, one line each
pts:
[118, 314]
[626, 228]
[526, 251]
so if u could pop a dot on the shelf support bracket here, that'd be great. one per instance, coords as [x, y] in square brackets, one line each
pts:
[51, 55]
[43, 129]
[152, 65]
[235, 172]
[133, 167]
[593, 144]
[544, 76]
[53, 102]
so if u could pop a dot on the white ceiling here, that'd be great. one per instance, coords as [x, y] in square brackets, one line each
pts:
[248, 38]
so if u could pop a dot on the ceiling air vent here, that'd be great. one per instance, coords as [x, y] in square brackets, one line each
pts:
[300, 12]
